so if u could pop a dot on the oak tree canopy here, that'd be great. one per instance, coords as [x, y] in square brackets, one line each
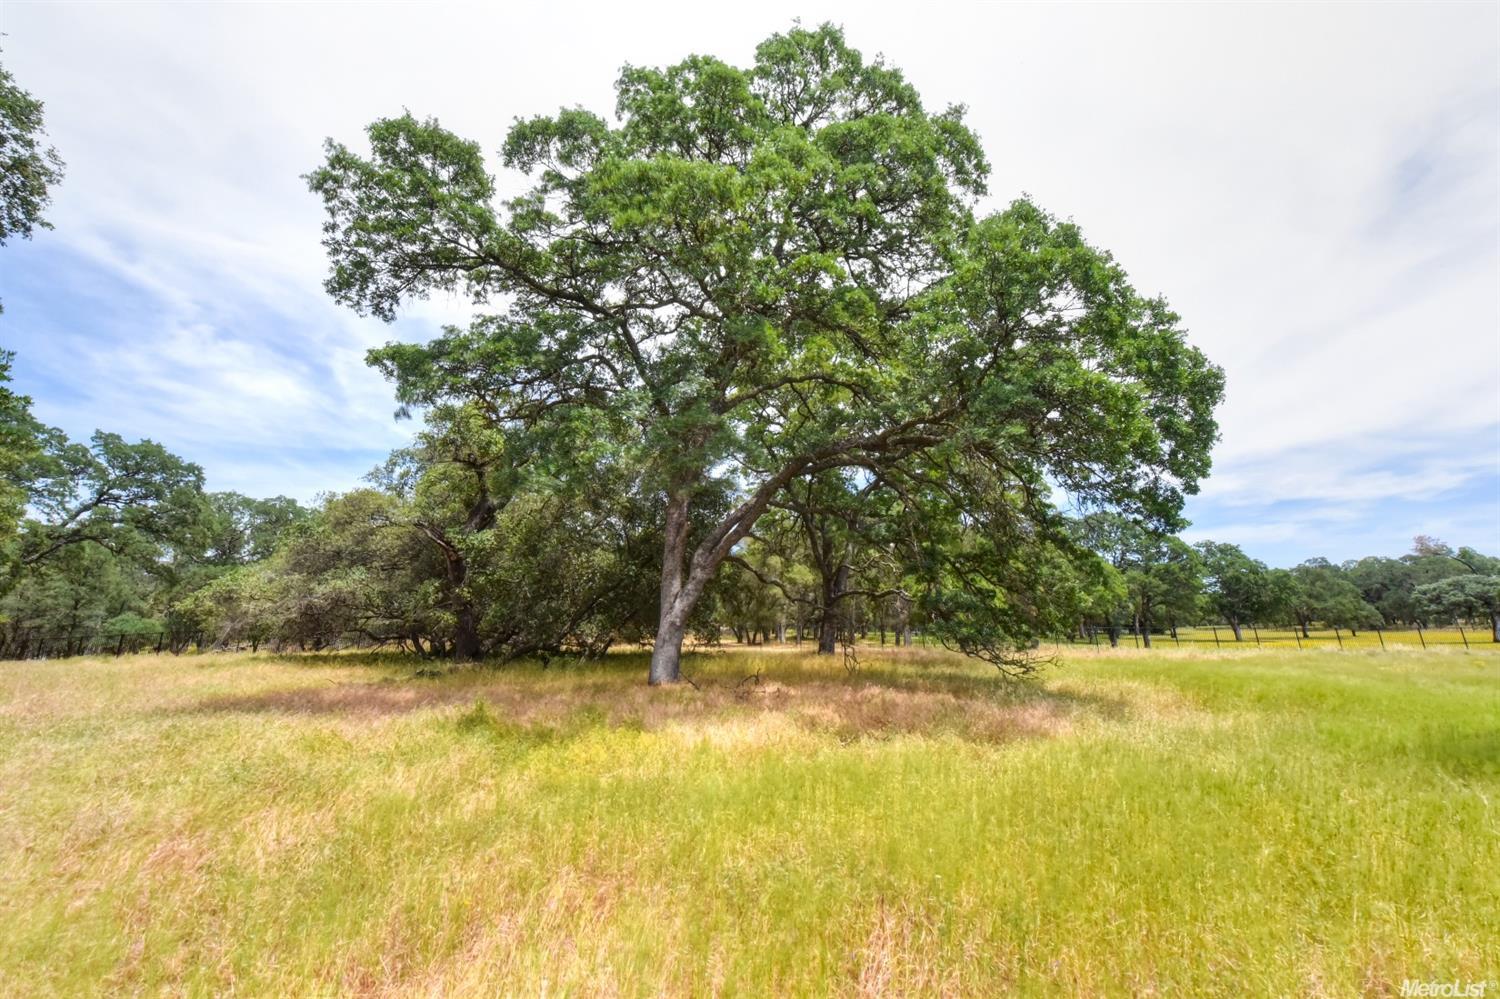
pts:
[773, 272]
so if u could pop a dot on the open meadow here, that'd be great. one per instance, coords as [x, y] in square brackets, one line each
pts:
[1167, 823]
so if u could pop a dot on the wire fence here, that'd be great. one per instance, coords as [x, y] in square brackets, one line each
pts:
[1253, 636]
[26, 644]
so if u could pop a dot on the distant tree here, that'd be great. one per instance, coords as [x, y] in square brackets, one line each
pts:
[843, 527]
[753, 611]
[1240, 589]
[1469, 597]
[237, 530]
[1386, 584]
[1161, 574]
[781, 559]
[356, 570]
[136, 500]
[61, 605]
[1097, 590]
[1431, 560]
[1321, 591]
[457, 478]
[532, 559]
[244, 605]
[112, 525]
[1165, 586]
[770, 273]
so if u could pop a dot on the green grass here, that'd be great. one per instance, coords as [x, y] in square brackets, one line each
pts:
[1256, 823]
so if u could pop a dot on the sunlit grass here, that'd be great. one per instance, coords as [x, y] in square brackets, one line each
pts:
[1246, 824]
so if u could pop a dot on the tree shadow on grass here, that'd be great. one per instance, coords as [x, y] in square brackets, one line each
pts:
[879, 700]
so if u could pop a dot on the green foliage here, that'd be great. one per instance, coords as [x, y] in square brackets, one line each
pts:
[132, 625]
[768, 273]
[1467, 597]
[1240, 590]
[1161, 576]
[1320, 591]
[28, 170]
[68, 600]
[244, 604]
[96, 538]
[1386, 584]
[238, 530]
[136, 500]
[20, 445]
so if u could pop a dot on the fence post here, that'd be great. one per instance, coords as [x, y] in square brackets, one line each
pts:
[1462, 635]
[1216, 635]
[1256, 630]
[1338, 636]
[1420, 637]
[1380, 635]
[1297, 634]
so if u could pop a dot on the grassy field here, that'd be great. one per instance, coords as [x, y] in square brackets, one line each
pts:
[1256, 823]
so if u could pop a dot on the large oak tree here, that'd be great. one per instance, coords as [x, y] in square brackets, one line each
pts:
[771, 271]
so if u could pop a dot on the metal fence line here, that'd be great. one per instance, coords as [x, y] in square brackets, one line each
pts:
[1294, 638]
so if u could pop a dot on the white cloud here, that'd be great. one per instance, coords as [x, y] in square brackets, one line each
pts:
[1313, 187]
[1352, 469]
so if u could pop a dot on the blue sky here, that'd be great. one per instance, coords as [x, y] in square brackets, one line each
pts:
[1314, 188]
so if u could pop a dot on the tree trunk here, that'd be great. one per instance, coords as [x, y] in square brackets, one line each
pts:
[683, 580]
[466, 647]
[666, 654]
[466, 644]
[828, 633]
[1239, 636]
[1495, 625]
[833, 593]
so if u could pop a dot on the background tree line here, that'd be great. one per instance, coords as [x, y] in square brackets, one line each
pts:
[462, 547]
